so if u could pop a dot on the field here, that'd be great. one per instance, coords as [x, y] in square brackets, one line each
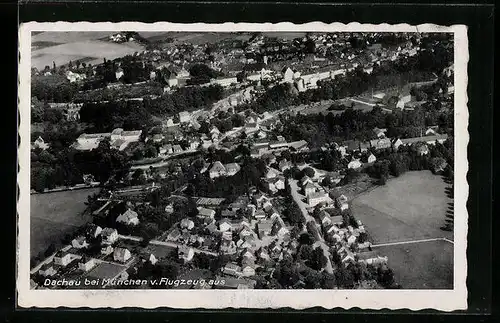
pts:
[409, 208]
[412, 206]
[195, 38]
[91, 47]
[54, 215]
[425, 265]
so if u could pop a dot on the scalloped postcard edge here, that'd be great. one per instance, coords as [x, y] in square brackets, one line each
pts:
[443, 300]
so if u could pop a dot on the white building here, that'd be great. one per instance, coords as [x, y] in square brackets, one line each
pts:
[121, 254]
[317, 197]
[354, 164]
[109, 235]
[129, 217]
[184, 117]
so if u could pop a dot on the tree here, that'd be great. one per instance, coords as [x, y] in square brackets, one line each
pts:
[308, 171]
[202, 260]
[305, 252]
[318, 259]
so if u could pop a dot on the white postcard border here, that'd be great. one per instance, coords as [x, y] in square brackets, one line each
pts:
[445, 300]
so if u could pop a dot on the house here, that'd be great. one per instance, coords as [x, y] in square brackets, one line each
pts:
[325, 219]
[259, 214]
[187, 224]
[381, 143]
[225, 225]
[287, 74]
[174, 235]
[232, 169]
[119, 73]
[217, 170]
[337, 219]
[158, 137]
[47, 270]
[364, 245]
[243, 243]
[279, 229]
[129, 217]
[121, 254]
[341, 202]
[176, 149]
[396, 143]
[184, 117]
[284, 165]
[86, 263]
[371, 258]
[264, 228]
[432, 131]
[169, 123]
[166, 149]
[194, 144]
[206, 213]
[109, 235]
[247, 256]
[380, 133]
[351, 239]
[305, 180]
[232, 269]
[63, 258]
[239, 224]
[245, 232]
[92, 231]
[316, 198]
[279, 182]
[269, 158]
[152, 259]
[106, 250]
[421, 148]
[309, 188]
[228, 247]
[169, 208]
[271, 173]
[300, 145]
[354, 164]
[248, 270]
[40, 143]
[402, 101]
[260, 199]
[224, 82]
[79, 242]
[369, 159]
[251, 128]
[185, 253]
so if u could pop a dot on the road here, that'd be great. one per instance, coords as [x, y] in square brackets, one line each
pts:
[168, 244]
[410, 241]
[307, 217]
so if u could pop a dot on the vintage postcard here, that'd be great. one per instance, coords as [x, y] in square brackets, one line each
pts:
[242, 166]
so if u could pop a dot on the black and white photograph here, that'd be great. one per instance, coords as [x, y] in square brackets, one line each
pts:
[325, 163]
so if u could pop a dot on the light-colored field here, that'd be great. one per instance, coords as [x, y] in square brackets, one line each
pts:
[54, 215]
[425, 265]
[91, 47]
[69, 36]
[409, 208]
[412, 206]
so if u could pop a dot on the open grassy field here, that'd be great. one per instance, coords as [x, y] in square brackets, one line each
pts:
[54, 215]
[424, 265]
[412, 206]
[91, 47]
[408, 208]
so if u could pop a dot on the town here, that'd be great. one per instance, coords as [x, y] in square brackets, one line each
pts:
[236, 157]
